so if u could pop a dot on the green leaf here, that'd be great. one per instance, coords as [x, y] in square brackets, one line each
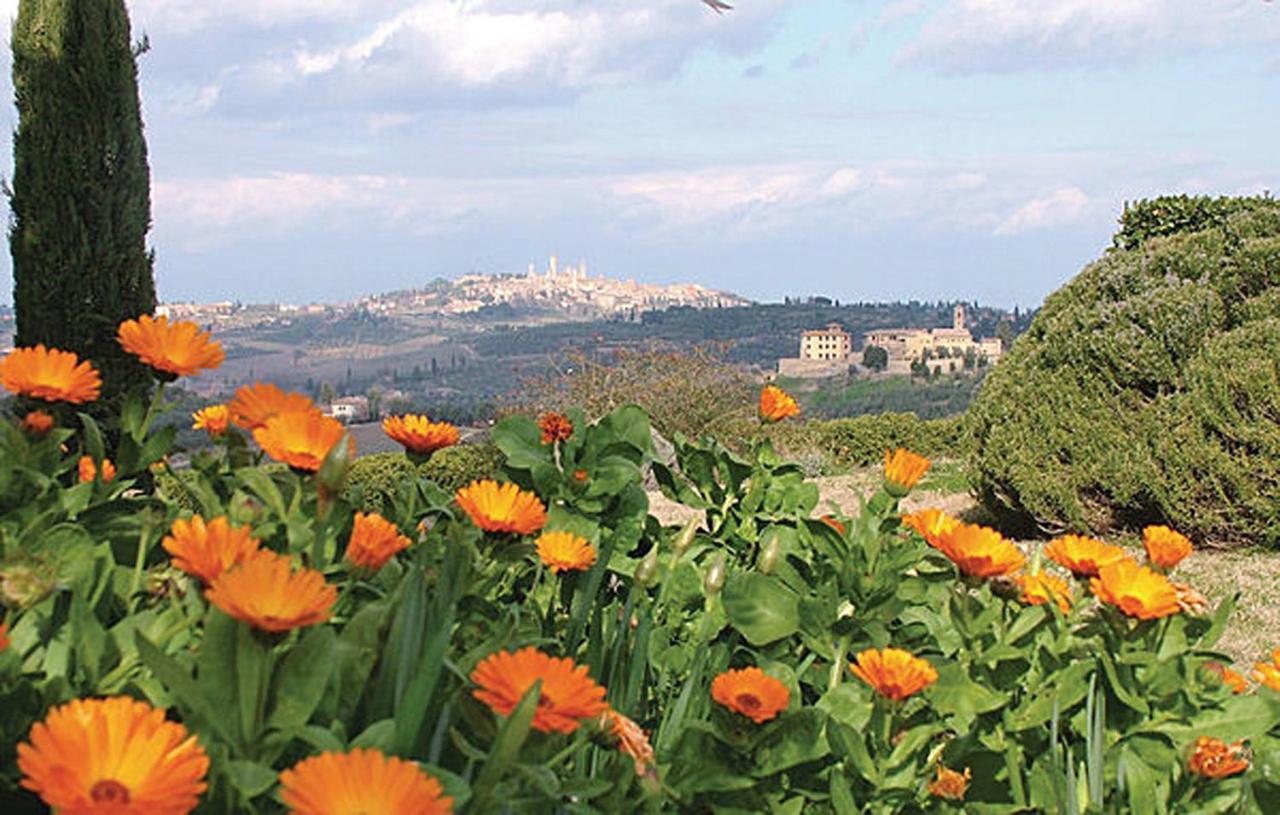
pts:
[183, 688]
[506, 747]
[760, 607]
[250, 778]
[299, 682]
[380, 735]
[794, 739]
[956, 694]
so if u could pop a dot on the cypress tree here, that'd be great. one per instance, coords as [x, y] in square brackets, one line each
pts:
[81, 195]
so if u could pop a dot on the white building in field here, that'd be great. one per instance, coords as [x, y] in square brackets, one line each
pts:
[944, 350]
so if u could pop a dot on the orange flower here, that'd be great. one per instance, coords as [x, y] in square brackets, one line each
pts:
[979, 551]
[950, 784]
[89, 470]
[565, 551]
[1135, 590]
[751, 692]
[1039, 588]
[1081, 555]
[50, 374]
[903, 469]
[213, 419]
[1214, 758]
[363, 780]
[894, 673]
[419, 435]
[301, 439]
[207, 550]
[1230, 678]
[180, 349]
[4, 636]
[374, 541]
[498, 507]
[833, 522]
[631, 740]
[580, 475]
[253, 404]
[930, 523]
[776, 404]
[1268, 673]
[568, 695]
[555, 427]
[265, 592]
[1165, 547]
[115, 756]
[37, 423]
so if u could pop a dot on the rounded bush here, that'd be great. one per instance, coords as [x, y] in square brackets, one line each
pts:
[378, 476]
[1148, 388]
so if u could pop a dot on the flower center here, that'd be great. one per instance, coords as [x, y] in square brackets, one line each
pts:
[108, 791]
[749, 701]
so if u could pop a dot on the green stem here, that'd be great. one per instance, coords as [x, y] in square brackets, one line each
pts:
[837, 662]
[139, 562]
[151, 411]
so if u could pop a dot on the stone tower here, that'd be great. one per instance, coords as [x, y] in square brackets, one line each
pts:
[957, 319]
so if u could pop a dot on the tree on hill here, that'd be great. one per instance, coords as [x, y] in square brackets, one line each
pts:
[81, 195]
[875, 358]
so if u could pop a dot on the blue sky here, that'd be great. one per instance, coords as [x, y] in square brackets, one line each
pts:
[865, 149]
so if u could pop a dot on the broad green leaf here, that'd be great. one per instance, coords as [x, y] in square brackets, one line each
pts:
[760, 607]
[300, 679]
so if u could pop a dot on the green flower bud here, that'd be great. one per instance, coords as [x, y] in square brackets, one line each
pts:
[647, 571]
[713, 581]
[767, 560]
[684, 539]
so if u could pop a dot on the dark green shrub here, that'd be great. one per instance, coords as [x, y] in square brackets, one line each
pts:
[1148, 388]
[376, 478]
[861, 441]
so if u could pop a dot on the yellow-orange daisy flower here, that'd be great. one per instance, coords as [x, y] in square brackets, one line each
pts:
[89, 471]
[264, 591]
[751, 692]
[253, 404]
[37, 423]
[950, 784]
[115, 756]
[177, 349]
[930, 523]
[1268, 673]
[629, 737]
[1214, 758]
[419, 435]
[1039, 588]
[363, 780]
[212, 419]
[1082, 556]
[498, 507]
[776, 404]
[206, 550]
[903, 469]
[301, 439]
[50, 374]
[1135, 590]
[374, 541]
[1165, 547]
[894, 673]
[980, 552]
[569, 695]
[565, 551]
[555, 427]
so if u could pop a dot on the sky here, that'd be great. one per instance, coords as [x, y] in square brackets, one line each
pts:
[317, 150]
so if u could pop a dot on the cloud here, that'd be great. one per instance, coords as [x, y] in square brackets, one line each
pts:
[1058, 208]
[963, 36]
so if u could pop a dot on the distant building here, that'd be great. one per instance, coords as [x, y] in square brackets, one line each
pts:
[823, 352]
[937, 348]
[349, 409]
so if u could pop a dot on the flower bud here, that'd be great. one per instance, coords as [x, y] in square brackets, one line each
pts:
[713, 581]
[23, 585]
[647, 571]
[767, 560]
[332, 476]
[684, 539]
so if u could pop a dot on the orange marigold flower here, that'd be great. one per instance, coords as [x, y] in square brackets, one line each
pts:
[301, 439]
[363, 780]
[751, 692]
[1039, 588]
[114, 756]
[37, 423]
[418, 434]
[580, 475]
[1214, 758]
[498, 507]
[568, 697]
[374, 541]
[565, 551]
[177, 349]
[253, 404]
[1165, 547]
[930, 523]
[50, 374]
[206, 550]
[555, 427]
[630, 739]
[1081, 555]
[833, 522]
[950, 784]
[1268, 673]
[89, 471]
[4, 636]
[265, 592]
[213, 419]
[1135, 590]
[776, 404]
[1230, 678]
[894, 673]
[903, 469]
[980, 552]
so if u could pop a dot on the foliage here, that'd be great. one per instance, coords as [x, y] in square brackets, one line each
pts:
[861, 441]
[1178, 214]
[1147, 389]
[374, 479]
[928, 397]
[81, 186]
[875, 358]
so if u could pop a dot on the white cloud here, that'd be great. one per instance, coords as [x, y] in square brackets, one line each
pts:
[1058, 208]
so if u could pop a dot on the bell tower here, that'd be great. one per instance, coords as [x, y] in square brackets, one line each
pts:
[957, 319]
